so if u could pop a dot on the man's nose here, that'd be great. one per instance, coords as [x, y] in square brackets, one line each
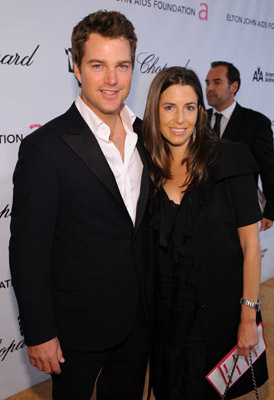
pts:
[111, 76]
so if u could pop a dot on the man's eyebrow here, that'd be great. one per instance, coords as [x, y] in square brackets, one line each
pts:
[102, 61]
[214, 80]
[96, 60]
[128, 62]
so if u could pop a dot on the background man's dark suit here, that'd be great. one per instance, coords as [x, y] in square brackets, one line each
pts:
[254, 129]
[70, 226]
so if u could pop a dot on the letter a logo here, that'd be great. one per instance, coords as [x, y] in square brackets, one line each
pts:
[258, 75]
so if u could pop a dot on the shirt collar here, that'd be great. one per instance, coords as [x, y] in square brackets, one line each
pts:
[97, 126]
[227, 112]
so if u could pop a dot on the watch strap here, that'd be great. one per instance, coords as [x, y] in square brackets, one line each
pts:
[251, 304]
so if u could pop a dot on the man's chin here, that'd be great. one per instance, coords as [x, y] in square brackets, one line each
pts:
[211, 103]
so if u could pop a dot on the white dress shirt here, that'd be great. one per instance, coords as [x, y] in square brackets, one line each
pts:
[127, 174]
[226, 114]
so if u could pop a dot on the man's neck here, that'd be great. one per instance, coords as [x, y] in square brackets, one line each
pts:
[112, 121]
[224, 107]
[118, 135]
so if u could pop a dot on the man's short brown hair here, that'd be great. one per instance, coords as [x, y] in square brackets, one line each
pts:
[111, 24]
[233, 74]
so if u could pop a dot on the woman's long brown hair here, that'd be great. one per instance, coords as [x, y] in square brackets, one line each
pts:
[200, 152]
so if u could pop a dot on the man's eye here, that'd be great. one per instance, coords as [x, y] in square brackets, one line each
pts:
[123, 66]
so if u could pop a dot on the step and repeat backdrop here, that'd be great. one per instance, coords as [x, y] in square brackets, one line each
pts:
[37, 84]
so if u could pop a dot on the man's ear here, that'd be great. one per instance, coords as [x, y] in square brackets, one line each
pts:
[234, 87]
[77, 72]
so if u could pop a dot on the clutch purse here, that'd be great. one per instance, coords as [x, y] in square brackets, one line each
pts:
[221, 377]
[232, 373]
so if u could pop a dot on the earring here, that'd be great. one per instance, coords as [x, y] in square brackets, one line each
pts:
[194, 134]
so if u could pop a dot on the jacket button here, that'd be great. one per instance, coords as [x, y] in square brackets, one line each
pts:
[204, 308]
[198, 267]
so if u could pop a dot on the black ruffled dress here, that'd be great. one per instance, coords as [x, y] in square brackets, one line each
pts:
[198, 278]
[179, 356]
[197, 309]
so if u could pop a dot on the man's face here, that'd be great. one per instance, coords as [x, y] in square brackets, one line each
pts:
[219, 93]
[105, 74]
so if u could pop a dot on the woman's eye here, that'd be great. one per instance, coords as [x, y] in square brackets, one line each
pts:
[191, 108]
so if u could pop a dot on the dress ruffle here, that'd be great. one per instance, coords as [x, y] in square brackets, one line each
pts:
[173, 234]
[179, 347]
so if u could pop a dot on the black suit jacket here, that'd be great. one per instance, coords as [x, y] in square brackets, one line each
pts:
[254, 129]
[78, 264]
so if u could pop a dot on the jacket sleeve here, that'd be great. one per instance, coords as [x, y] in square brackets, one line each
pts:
[264, 154]
[33, 219]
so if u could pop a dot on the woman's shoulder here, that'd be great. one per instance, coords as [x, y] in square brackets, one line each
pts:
[232, 159]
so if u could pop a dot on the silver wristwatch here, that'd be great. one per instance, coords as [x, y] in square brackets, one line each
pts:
[256, 306]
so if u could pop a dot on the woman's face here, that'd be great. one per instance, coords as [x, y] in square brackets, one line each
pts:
[178, 112]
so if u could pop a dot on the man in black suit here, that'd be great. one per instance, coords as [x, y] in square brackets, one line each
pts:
[234, 122]
[78, 231]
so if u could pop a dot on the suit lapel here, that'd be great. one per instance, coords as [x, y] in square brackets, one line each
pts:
[142, 202]
[81, 140]
[209, 113]
[233, 126]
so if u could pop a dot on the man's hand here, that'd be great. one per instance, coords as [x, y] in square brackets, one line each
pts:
[265, 224]
[47, 356]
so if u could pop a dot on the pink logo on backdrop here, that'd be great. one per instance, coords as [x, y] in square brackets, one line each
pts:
[35, 126]
[203, 13]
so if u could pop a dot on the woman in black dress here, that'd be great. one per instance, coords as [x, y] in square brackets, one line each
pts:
[204, 214]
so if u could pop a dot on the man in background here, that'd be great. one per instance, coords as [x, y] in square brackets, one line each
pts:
[234, 122]
[78, 233]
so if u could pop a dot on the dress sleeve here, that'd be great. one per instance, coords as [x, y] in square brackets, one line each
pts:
[245, 199]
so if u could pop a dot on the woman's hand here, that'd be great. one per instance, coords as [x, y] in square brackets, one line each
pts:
[247, 330]
[247, 337]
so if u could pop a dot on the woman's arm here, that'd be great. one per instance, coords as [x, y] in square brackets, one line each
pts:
[250, 243]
